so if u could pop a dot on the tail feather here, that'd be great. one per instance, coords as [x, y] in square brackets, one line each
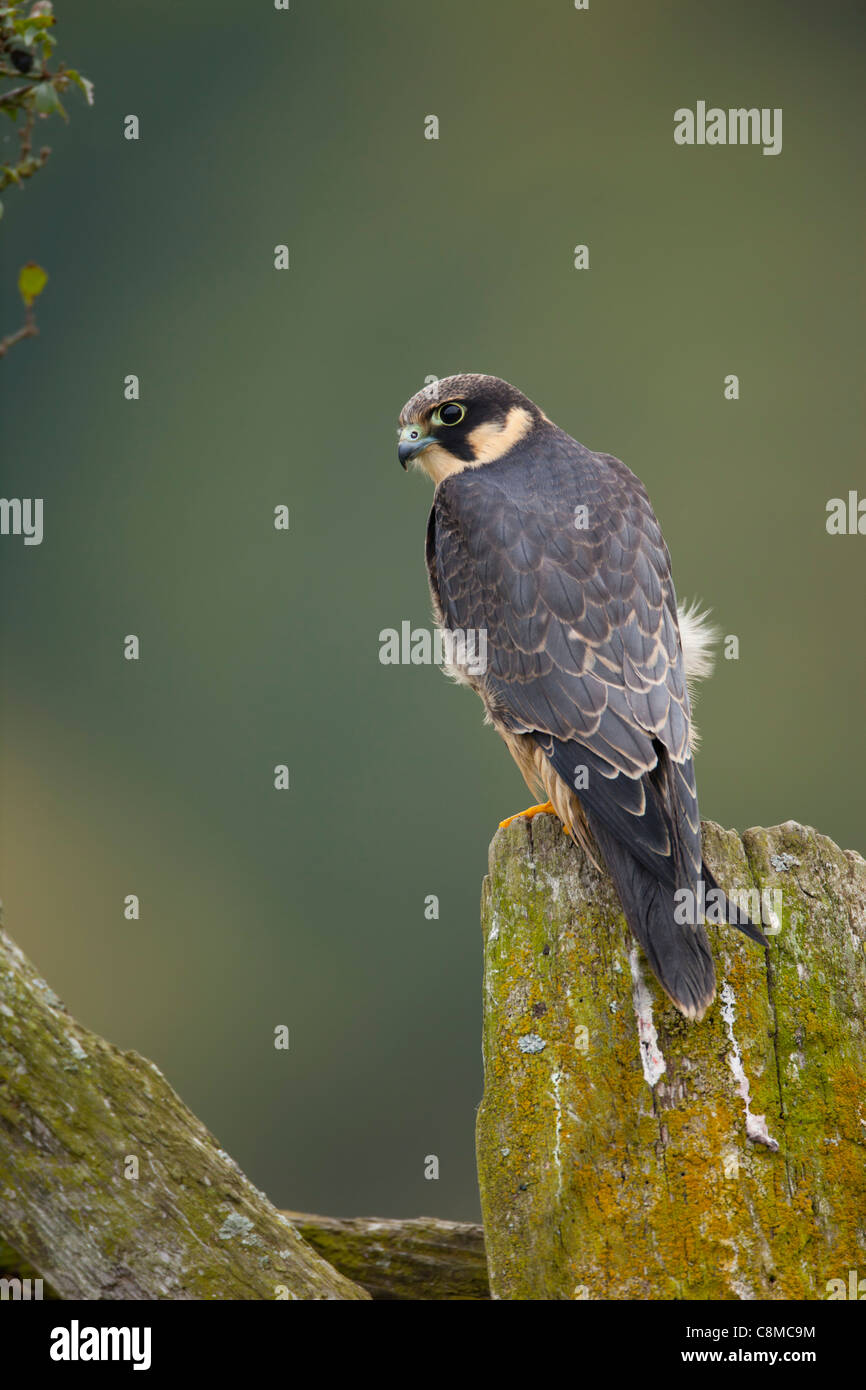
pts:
[734, 916]
[679, 954]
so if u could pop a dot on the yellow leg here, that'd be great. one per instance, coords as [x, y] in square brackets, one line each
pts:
[545, 807]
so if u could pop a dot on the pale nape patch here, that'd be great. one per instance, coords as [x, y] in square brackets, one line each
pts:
[489, 441]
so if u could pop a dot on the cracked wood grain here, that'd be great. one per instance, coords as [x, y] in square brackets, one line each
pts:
[736, 1171]
[111, 1188]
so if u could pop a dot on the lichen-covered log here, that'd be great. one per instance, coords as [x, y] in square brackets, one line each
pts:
[421, 1259]
[15, 1271]
[626, 1153]
[111, 1188]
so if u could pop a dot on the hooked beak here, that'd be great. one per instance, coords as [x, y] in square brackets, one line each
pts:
[412, 441]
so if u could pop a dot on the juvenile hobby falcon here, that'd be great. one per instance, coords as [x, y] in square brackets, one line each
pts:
[556, 554]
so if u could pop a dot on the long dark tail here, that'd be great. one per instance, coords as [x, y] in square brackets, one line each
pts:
[734, 916]
[679, 953]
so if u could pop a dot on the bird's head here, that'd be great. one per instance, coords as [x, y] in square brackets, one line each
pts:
[462, 422]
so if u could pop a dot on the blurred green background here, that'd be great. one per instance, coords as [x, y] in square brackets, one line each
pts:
[408, 257]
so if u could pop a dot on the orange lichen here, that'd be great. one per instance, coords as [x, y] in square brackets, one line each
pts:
[659, 1193]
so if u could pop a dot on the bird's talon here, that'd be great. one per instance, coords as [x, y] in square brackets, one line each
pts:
[546, 807]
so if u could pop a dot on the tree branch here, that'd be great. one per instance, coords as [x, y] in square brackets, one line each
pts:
[29, 330]
[421, 1259]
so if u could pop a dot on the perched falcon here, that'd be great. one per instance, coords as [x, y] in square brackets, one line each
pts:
[555, 553]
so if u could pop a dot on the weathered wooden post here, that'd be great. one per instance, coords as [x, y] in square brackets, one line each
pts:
[111, 1188]
[625, 1153]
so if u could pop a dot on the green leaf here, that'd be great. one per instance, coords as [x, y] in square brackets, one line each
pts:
[46, 100]
[31, 282]
[83, 82]
[28, 26]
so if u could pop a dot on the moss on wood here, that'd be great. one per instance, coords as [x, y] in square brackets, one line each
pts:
[111, 1188]
[423, 1258]
[718, 1160]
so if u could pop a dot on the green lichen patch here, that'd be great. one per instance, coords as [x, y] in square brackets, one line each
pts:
[111, 1188]
[739, 1171]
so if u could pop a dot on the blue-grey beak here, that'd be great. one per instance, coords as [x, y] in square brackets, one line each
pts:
[412, 441]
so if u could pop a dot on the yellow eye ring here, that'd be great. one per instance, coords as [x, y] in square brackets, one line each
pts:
[451, 413]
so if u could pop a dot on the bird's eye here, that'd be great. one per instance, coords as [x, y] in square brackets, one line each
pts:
[451, 413]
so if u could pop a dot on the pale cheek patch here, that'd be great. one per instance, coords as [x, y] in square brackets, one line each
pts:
[488, 441]
[491, 440]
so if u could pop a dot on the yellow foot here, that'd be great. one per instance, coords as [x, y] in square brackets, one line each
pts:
[528, 814]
